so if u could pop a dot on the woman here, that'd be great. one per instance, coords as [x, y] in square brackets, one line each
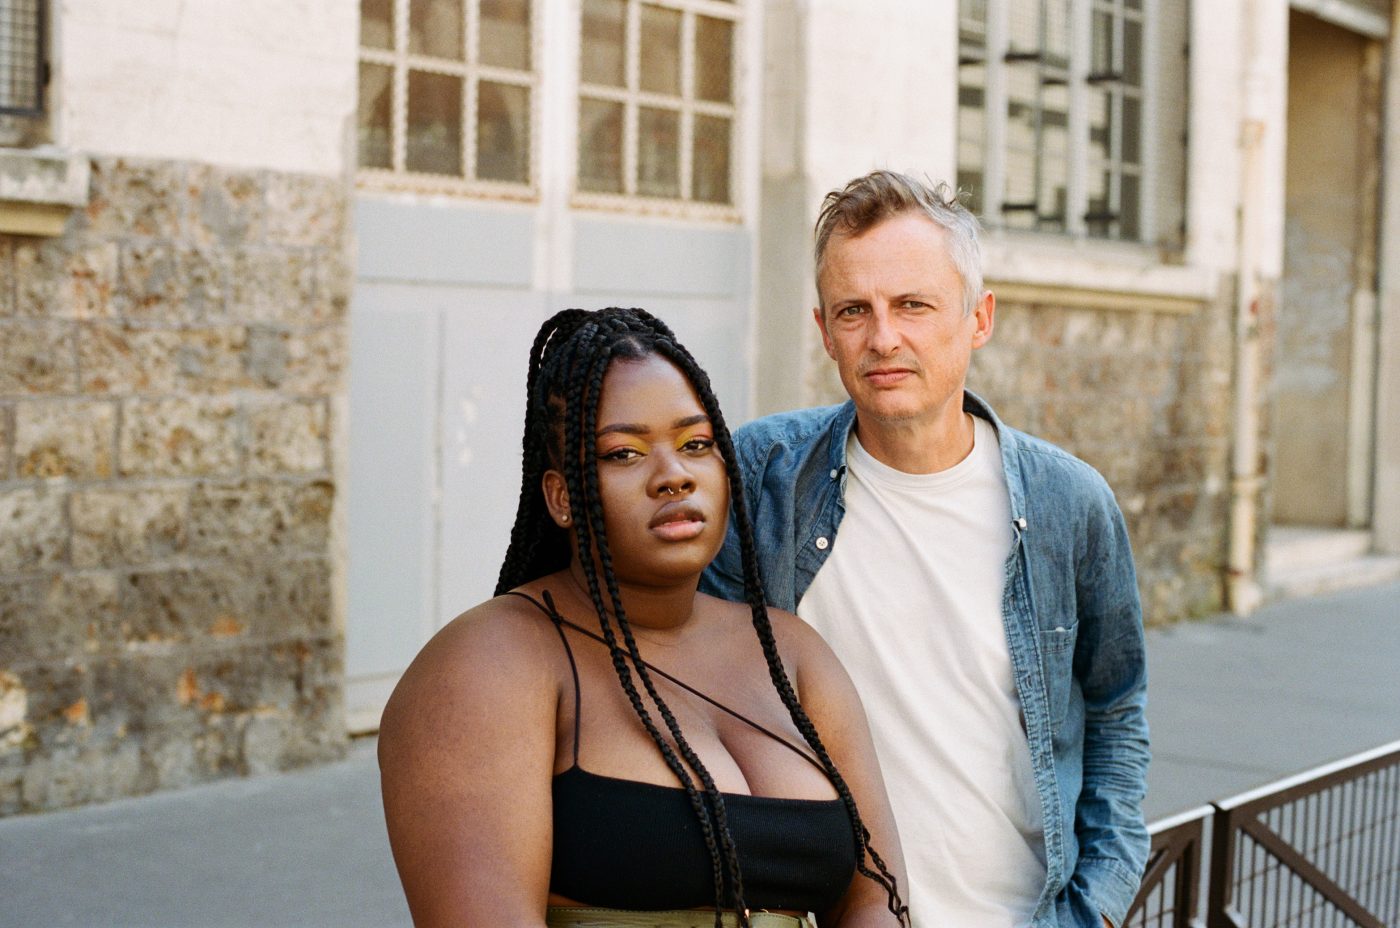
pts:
[600, 736]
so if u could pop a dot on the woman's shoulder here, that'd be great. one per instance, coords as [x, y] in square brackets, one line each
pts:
[501, 649]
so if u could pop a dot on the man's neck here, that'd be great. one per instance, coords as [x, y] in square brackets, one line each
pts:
[919, 446]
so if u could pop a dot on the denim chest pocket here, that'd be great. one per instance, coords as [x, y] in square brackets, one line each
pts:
[1057, 655]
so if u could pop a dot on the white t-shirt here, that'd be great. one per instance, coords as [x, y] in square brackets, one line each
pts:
[910, 599]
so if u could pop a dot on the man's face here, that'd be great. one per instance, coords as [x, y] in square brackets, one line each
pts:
[891, 316]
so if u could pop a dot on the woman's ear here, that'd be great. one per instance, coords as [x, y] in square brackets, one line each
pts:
[556, 498]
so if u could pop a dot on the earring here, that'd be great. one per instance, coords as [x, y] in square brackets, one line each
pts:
[564, 518]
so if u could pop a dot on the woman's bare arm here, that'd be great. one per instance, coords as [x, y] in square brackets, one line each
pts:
[466, 756]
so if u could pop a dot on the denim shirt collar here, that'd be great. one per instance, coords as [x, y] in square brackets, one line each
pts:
[845, 421]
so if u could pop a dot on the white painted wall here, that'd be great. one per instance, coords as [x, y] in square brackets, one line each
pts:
[244, 83]
[881, 88]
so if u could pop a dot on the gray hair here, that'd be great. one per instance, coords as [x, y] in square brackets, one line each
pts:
[880, 195]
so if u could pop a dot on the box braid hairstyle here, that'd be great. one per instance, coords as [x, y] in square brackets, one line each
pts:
[568, 359]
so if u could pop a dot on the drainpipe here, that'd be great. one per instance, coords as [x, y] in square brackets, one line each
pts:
[1243, 592]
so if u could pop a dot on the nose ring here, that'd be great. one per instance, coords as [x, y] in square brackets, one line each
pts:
[669, 491]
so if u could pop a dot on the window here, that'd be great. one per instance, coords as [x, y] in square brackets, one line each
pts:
[657, 100]
[447, 91]
[1071, 116]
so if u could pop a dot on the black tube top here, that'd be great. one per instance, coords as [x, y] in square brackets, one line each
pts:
[624, 844]
[621, 844]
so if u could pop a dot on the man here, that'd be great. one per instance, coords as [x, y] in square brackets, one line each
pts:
[977, 582]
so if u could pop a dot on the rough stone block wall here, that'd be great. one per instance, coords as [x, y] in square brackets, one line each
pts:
[169, 376]
[1144, 397]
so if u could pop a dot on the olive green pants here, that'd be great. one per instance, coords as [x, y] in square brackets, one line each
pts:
[571, 917]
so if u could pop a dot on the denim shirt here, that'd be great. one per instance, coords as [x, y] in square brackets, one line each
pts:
[1073, 626]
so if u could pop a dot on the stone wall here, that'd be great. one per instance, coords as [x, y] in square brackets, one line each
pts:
[1144, 397]
[170, 370]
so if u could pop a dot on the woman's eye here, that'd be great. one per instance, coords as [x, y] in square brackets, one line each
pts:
[620, 454]
[698, 445]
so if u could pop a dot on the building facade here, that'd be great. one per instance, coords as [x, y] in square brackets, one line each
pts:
[269, 274]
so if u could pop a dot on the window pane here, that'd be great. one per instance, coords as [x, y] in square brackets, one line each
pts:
[600, 146]
[505, 33]
[503, 132]
[1132, 129]
[1097, 215]
[1101, 57]
[658, 152]
[603, 42]
[375, 118]
[377, 23]
[1100, 123]
[712, 159]
[1129, 210]
[435, 28]
[434, 141]
[714, 51]
[1024, 20]
[971, 133]
[661, 50]
[1018, 205]
[1054, 158]
[1056, 39]
[1132, 52]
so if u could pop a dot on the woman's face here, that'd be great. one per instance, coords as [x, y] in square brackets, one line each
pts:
[664, 490]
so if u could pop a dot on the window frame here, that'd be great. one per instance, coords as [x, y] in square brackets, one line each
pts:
[633, 99]
[1077, 222]
[471, 72]
[39, 109]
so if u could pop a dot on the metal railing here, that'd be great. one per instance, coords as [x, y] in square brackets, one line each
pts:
[1170, 893]
[23, 65]
[1319, 850]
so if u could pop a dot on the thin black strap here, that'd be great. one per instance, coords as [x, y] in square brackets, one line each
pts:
[559, 627]
[558, 620]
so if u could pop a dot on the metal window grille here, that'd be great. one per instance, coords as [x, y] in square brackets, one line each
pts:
[1061, 104]
[23, 70]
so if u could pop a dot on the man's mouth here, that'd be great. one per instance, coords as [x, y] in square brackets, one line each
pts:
[678, 521]
[886, 376]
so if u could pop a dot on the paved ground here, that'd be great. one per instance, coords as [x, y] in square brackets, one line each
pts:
[1234, 704]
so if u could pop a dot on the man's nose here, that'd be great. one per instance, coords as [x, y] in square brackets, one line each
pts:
[882, 336]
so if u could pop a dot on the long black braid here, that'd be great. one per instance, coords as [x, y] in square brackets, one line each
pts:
[568, 360]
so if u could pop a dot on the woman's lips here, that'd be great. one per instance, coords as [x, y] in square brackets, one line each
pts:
[677, 521]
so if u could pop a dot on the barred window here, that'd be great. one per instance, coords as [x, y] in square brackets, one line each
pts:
[447, 91]
[657, 99]
[22, 65]
[1071, 116]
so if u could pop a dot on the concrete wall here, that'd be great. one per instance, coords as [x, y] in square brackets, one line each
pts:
[171, 395]
[169, 369]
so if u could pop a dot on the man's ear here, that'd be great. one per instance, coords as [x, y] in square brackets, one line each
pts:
[985, 311]
[556, 498]
[820, 319]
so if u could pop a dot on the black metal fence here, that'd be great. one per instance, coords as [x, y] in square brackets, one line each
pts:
[1170, 893]
[23, 68]
[1319, 850]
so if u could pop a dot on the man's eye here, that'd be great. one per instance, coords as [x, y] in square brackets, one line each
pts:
[849, 310]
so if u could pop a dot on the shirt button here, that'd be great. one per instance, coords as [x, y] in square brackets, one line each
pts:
[823, 543]
[834, 472]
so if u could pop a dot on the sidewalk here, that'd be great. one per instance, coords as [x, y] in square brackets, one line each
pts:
[1233, 704]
